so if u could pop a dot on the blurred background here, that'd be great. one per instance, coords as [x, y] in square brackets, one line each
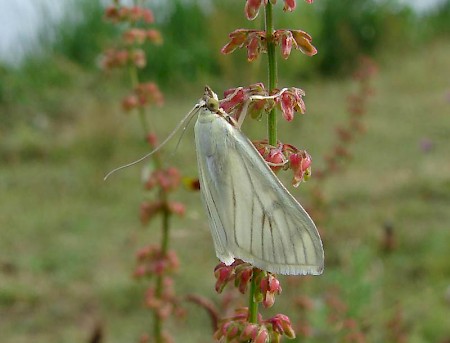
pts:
[381, 197]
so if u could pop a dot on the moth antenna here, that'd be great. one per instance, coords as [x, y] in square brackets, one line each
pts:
[255, 97]
[191, 113]
[183, 132]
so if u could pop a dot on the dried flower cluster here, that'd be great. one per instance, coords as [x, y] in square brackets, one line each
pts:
[237, 328]
[288, 100]
[131, 53]
[286, 156]
[356, 108]
[143, 95]
[156, 264]
[256, 42]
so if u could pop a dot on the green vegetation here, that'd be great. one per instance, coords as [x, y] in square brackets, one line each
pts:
[67, 238]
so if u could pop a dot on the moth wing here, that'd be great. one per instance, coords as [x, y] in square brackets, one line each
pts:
[210, 192]
[251, 214]
[277, 234]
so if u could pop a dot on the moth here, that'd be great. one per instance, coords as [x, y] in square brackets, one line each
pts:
[252, 216]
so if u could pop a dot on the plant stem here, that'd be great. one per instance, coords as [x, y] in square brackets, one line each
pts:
[272, 71]
[271, 132]
[253, 305]
[157, 322]
[134, 83]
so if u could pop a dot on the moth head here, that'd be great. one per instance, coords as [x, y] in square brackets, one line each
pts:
[211, 100]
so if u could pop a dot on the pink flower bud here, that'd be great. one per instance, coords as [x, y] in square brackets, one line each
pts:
[150, 299]
[145, 338]
[147, 15]
[134, 13]
[154, 36]
[233, 98]
[254, 41]
[152, 140]
[124, 13]
[300, 163]
[269, 286]
[252, 8]
[138, 58]
[137, 13]
[269, 299]
[140, 271]
[238, 38]
[223, 274]
[244, 279]
[144, 252]
[173, 260]
[277, 158]
[286, 45]
[159, 267]
[262, 336]
[177, 208]
[290, 101]
[112, 13]
[287, 105]
[134, 36]
[273, 284]
[289, 5]
[282, 325]
[149, 93]
[114, 59]
[253, 48]
[165, 310]
[300, 104]
[250, 331]
[130, 102]
[303, 42]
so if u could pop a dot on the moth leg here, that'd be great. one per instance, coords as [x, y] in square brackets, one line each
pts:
[252, 98]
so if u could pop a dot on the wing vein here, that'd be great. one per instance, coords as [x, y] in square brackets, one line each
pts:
[263, 221]
[234, 209]
[271, 235]
[221, 220]
[290, 236]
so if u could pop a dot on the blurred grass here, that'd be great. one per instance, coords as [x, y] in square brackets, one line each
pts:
[67, 238]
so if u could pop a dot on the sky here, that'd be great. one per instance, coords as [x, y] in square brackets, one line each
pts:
[20, 21]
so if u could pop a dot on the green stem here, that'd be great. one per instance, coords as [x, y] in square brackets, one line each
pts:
[132, 70]
[157, 322]
[253, 305]
[272, 71]
[271, 132]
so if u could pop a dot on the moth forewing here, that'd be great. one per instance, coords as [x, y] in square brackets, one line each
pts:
[252, 216]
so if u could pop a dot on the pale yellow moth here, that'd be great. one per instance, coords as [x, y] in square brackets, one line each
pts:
[252, 216]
